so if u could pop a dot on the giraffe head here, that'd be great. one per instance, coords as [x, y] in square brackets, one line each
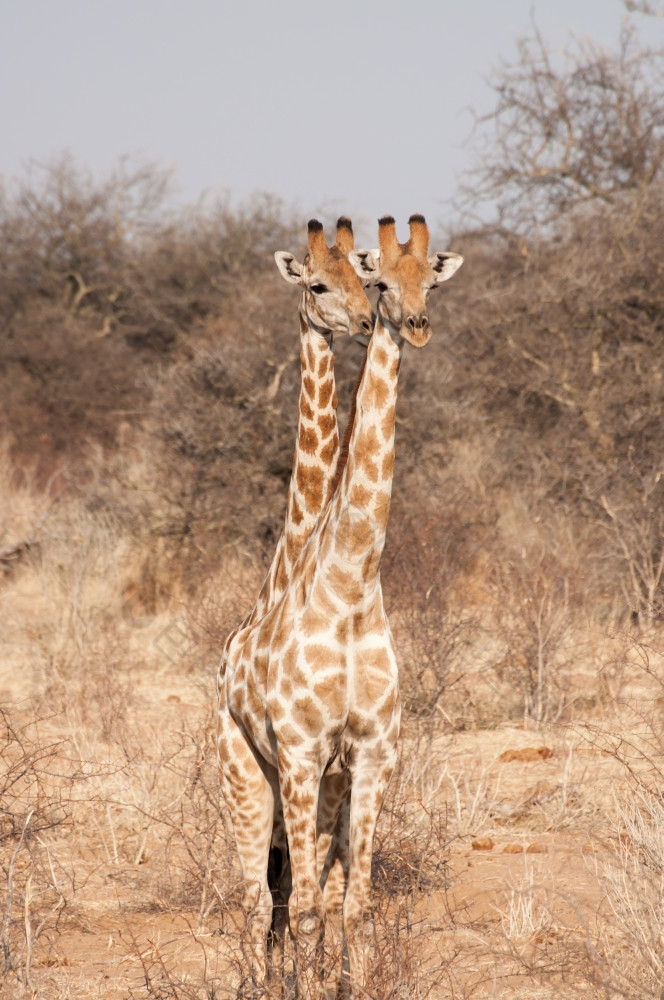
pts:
[405, 274]
[333, 296]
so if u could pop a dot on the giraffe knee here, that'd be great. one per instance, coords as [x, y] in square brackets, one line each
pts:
[309, 926]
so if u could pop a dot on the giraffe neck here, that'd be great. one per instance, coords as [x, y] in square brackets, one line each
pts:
[342, 457]
[316, 451]
[354, 528]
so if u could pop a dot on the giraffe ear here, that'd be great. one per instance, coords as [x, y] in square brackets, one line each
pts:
[445, 265]
[366, 264]
[289, 268]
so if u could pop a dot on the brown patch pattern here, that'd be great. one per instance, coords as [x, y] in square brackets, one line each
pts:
[308, 440]
[310, 484]
[329, 452]
[379, 394]
[296, 513]
[327, 423]
[306, 409]
[325, 391]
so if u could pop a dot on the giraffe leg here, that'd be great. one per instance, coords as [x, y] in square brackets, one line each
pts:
[250, 800]
[299, 796]
[369, 783]
[333, 815]
[280, 887]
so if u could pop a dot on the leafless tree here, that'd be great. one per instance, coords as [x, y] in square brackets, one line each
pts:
[649, 7]
[583, 126]
[635, 525]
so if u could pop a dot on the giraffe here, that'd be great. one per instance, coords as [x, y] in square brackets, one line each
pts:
[333, 303]
[309, 708]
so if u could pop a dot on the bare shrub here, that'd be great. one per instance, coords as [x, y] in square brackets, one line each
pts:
[412, 835]
[425, 560]
[227, 448]
[109, 246]
[628, 952]
[34, 800]
[649, 7]
[71, 636]
[24, 509]
[67, 234]
[527, 917]
[533, 606]
[566, 304]
[98, 275]
[625, 940]
[568, 132]
[564, 398]
[636, 690]
[635, 527]
[198, 848]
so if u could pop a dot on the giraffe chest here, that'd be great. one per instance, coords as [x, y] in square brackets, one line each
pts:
[317, 687]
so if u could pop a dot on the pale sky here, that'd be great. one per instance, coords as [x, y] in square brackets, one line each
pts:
[359, 107]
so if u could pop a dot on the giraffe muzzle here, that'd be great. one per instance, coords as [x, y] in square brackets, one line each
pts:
[416, 329]
[362, 329]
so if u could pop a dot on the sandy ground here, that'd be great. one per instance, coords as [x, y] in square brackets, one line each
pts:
[490, 858]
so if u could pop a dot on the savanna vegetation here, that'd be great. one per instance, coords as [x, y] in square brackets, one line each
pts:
[148, 384]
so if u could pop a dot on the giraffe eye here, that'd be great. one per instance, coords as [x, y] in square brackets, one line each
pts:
[318, 289]
[381, 286]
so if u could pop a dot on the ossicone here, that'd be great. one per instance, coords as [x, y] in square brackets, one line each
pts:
[418, 244]
[345, 239]
[316, 237]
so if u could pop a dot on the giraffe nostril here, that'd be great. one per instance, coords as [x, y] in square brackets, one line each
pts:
[424, 320]
[411, 322]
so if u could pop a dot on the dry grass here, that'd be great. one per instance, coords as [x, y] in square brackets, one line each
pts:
[500, 868]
